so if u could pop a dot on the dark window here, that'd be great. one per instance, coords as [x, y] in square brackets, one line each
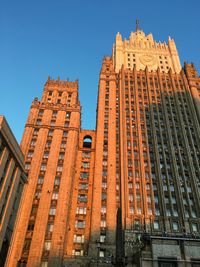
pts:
[87, 141]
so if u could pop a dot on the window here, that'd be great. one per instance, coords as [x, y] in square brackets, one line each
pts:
[65, 133]
[68, 115]
[103, 209]
[78, 238]
[54, 114]
[80, 224]
[35, 131]
[77, 252]
[33, 141]
[86, 154]
[30, 154]
[52, 211]
[43, 167]
[59, 168]
[103, 196]
[83, 186]
[40, 180]
[157, 212]
[47, 245]
[81, 210]
[50, 133]
[66, 124]
[50, 227]
[38, 122]
[156, 225]
[130, 197]
[101, 253]
[48, 143]
[55, 195]
[46, 154]
[194, 227]
[53, 123]
[57, 181]
[87, 141]
[102, 238]
[175, 226]
[37, 194]
[85, 165]
[82, 198]
[41, 112]
[131, 210]
[27, 166]
[63, 144]
[103, 223]
[84, 175]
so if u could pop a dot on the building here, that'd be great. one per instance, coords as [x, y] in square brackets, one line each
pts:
[12, 180]
[129, 192]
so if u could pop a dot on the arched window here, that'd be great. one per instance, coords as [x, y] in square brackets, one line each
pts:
[87, 141]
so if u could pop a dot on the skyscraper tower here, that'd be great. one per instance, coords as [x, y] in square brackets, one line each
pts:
[148, 152]
[129, 192]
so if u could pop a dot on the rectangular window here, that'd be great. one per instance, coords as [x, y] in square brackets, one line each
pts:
[103, 223]
[35, 131]
[65, 133]
[50, 227]
[40, 180]
[83, 186]
[47, 245]
[86, 165]
[79, 224]
[52, 211]
[57, 181]
[82, 198]
[84, 175]
[86, 154]
[68, 114]
[43, 167]
[46, 154]
[48, 143]
[103, 210]
[175, 226]
[55, 195]
[81, 210]
[59, 168]
[30, 154]
[27, 166]
[54, 114]
[63, 144]
[102, 238]
[50, 133]
[38, 122]
[79, 238]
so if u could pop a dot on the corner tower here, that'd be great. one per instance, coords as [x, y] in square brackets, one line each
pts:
[49, 143]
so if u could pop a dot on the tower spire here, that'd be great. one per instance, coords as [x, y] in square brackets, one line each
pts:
[137, 25]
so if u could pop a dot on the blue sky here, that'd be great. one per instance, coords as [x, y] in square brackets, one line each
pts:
[69, 38]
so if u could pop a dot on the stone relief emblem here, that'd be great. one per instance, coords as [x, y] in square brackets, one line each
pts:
[148, 60]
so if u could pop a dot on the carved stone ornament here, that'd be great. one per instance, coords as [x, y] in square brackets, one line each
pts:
[148, 60]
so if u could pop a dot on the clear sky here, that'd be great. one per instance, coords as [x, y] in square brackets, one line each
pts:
[68, 38]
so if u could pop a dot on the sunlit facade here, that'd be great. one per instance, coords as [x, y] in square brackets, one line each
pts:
[127, 193]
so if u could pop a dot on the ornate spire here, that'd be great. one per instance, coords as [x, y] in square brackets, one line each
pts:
[137, 25]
